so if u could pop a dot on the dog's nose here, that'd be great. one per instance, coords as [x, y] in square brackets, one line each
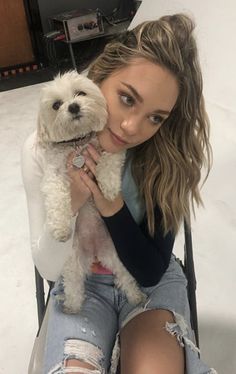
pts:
[74, 108]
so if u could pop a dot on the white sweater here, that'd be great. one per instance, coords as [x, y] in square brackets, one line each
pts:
[48, 254]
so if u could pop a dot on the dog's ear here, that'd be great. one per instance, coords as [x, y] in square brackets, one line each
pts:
[69, 74]
[42, 134]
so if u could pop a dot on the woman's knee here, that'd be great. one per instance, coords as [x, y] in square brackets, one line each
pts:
[151, 348]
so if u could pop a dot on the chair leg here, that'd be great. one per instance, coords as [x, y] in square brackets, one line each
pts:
[40, 296]
[191, 277]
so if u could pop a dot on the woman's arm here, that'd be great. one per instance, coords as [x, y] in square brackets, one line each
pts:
[48, 254]
[146, 258]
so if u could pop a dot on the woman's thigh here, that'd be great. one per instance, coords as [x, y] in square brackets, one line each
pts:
[86, 336]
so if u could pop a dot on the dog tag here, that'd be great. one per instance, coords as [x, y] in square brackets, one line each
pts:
[79, 161]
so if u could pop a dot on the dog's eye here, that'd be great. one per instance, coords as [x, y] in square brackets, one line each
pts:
[57, 104]
[80, 93]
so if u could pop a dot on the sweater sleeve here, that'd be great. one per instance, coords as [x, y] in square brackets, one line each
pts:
[48, 254]
[146, 258]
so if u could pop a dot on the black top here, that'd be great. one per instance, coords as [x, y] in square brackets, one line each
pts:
[146, 258]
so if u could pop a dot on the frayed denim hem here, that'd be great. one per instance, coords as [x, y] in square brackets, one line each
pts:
[83, 351]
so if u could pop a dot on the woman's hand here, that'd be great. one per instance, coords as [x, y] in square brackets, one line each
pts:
[80, 193]
[105, 207]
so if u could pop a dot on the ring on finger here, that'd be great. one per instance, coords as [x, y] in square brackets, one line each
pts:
[85, 169]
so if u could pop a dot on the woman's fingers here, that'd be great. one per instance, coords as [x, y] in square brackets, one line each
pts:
[90, 164]
[86, 174]
[91, 159]
[91, 184]
[105, 207]
[93, 153]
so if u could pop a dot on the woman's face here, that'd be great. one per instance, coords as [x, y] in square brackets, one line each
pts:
[139, 98]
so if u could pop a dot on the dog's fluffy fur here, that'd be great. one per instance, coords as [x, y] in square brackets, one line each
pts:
[71, 107]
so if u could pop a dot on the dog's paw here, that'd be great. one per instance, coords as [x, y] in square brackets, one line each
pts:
[61, 234]
[108, 174]
[68, 308]
[108, 192]
[137, 298]
[60, 298]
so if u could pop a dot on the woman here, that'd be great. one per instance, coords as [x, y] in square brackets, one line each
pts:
[152, 83]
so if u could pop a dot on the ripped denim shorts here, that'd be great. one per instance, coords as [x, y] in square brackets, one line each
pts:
[93, 334]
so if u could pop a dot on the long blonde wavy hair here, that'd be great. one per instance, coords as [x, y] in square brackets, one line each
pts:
[167, 167]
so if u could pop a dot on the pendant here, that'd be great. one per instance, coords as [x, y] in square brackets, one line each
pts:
[78, 161]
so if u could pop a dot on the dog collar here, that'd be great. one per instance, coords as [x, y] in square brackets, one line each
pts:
[79, 141]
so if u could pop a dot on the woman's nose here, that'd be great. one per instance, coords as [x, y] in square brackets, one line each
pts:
[130, 125]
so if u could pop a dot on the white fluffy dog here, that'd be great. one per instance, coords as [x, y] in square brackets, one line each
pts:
[72, 110]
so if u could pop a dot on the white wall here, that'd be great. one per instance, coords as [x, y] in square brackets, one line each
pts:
[216, 35]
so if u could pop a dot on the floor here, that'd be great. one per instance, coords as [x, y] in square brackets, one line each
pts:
[214, 238]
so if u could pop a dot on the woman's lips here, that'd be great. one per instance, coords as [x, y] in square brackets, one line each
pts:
[116, 138]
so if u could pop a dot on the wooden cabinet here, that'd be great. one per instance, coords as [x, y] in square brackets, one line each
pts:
[15, 42]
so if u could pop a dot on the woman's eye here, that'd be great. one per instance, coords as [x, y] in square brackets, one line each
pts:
[126, 99]
[156, 119]
[80, 93]
[56, 105]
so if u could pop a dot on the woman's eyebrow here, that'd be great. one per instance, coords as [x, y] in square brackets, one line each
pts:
[134, 92]
[161, 111]
[140, 99]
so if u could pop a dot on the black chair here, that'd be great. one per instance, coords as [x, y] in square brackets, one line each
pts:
[188, 268]
[40, 296]
[189, 271]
